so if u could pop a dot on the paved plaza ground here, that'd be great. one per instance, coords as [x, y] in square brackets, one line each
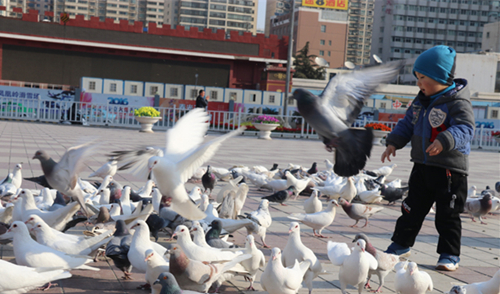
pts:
[480, 243]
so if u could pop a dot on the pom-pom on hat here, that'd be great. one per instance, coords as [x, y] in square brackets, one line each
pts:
[438, 63]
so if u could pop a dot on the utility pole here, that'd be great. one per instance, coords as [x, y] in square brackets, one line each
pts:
[289, 62]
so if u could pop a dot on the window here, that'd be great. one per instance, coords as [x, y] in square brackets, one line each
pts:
[112, 87]
[92, 84]
[174, 92]
[133, 89]
[383, 105]
[194, 93]
[330, 42]
[254, 98]
[272, 98]
[487, 35]
[153, 90]
[321, 53]
[323, 28]
[494, 114]
[213, 95]
[233, 96]
[329, 53]
[322, 42]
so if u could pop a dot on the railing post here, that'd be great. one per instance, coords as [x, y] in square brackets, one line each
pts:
[239, 117]
[173, 116]
[107, 113]
[481, 137]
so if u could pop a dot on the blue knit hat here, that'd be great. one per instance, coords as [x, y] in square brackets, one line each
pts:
[438, 63]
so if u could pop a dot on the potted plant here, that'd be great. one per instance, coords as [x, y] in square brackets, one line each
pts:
[147, 116]
[496, 136]
[265, 124]
[379, 131]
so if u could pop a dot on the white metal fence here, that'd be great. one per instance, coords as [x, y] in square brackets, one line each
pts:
[223, 121]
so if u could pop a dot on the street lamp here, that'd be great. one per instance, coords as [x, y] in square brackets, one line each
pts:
[195, 81]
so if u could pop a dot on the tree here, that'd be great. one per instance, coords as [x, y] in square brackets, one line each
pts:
[305, 68]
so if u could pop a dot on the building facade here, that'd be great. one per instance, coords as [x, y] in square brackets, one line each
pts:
[325, 30]
[228, 15]
[359, 37]
[405, 28]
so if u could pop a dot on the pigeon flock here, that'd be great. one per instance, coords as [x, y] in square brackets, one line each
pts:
[124, 225]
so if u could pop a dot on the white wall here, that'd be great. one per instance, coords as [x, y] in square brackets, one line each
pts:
[148, 92]
[85, 84]
[479, 70]
[139, 88]
[233, 94]
[107, 87]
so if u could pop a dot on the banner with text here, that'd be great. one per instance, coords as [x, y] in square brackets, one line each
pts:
[332, 4]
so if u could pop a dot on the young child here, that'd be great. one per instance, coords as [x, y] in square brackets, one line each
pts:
[440, 125]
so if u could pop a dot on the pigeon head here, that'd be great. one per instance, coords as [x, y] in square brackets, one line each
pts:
[333, 203]
[294, 228]
[264, 204]
[412, 268]
[41, 155]
[103, 215]
[18, 227]
[303, 97]
[121, 228]
[148, 254]
[250, 241]
[18, 167]
[195, 226]
[153, 162]
[38, 228]
[168, 282]
[458, 290]
[276, 254]
[33, 219]
[360, 245]
[361, 236]
[181, 231]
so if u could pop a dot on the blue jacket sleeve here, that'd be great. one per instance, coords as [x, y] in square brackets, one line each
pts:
[461, 130]
[402, 132]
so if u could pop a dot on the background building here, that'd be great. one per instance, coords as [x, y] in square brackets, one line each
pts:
[325, 30]
[404, 29]
[359, 38]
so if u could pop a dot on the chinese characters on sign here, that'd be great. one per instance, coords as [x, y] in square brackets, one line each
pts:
[396, 104]
[332, 4]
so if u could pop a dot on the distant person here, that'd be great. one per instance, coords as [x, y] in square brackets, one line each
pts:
[440, 125]
[201, 100]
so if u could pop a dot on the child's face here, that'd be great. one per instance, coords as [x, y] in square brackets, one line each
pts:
[429, 86]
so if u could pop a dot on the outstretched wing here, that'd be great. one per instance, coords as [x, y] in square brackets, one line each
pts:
[345, 93]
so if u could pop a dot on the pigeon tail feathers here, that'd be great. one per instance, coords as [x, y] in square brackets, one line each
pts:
[352, 151]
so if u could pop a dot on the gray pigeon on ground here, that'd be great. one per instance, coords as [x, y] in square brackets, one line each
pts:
[281, 196]
[479, 207]
[332, 113]
[169, 285]
[358, 211]
[209, 180]
[63, 175]
[117, 249]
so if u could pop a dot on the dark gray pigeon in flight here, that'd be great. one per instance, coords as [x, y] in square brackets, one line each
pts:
[332, 113]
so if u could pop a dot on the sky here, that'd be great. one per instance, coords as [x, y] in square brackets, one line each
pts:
[261, 15]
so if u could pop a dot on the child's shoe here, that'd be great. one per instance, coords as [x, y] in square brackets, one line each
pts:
[448, 262]
[397, 249]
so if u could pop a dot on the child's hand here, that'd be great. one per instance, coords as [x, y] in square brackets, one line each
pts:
[435, 148]
[390, 150]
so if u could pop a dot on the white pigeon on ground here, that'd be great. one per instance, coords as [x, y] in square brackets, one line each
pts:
[140, 244]
[263, 218]
[63, 175]
[385, 170]
[410, 280]
[253, 264]
[299, 184]
[183, 155]
[146, 190]
[107, 169]
[331, 191]
[231, 185]
[195, 194]
[21, 279]
[125, 203]
[67, 243]
[199, 235]
[348, 191]
[196, 252]
[17, 177]
[394, 184]
[472, 192]
[30, 253]
[386, 262]
[354, 265]
[313, 204]
[56, 219]
[278, 279]
[47, 199]
[6, 187]
[239, 200]
[277, 185]
[370, 196]
[296, 250]
[319, 220]
[156, 265]
[222, 173]
[492, 286]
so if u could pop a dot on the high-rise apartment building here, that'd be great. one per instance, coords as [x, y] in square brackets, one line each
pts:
[26, 5]
[324, 29]
[405, 28]
[228, 15]
[277, 7]
[359, 37]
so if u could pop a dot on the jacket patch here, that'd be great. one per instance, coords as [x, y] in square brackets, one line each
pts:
[416, 113]
[436, 117]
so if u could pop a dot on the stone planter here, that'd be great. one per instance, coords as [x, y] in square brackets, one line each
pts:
[147, 123]
[265, 130]
[377, 136]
